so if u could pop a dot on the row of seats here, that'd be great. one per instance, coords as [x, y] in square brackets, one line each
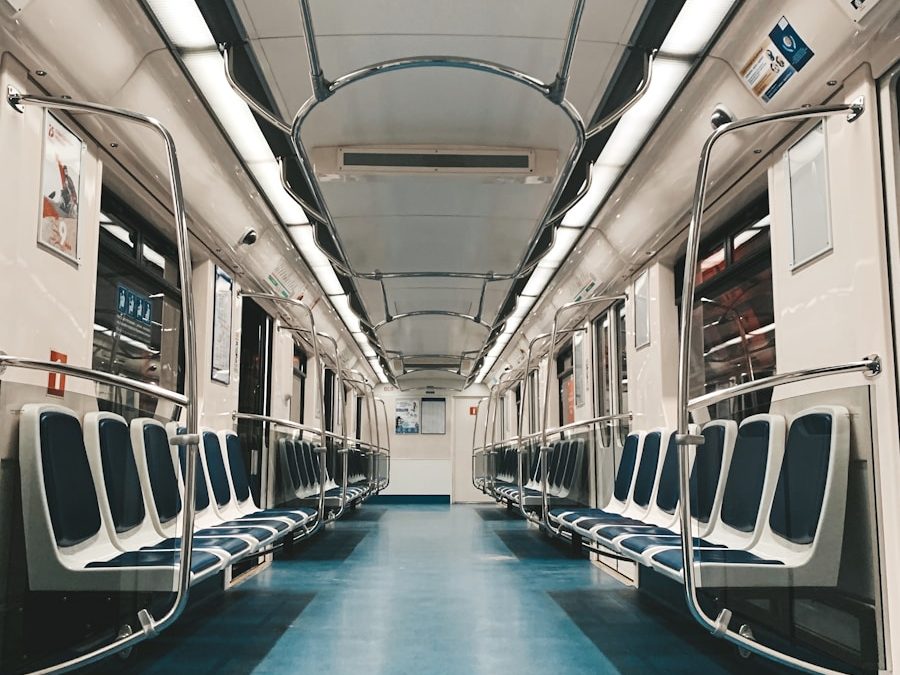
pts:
[564, 460]
[300, 469]
[102, 503]
[767, 501]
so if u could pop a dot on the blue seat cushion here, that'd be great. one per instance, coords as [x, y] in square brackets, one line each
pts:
[640, 543]
[671, 558]
[258, 533]
[200, 560]
[297, 515]
[609, 519]
[580, 513]
[613, 531]
[278, 525]
[233, 545]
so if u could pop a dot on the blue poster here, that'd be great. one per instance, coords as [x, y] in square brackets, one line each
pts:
[133, 305]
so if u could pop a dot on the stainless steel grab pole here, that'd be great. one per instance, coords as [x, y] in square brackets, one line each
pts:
[150, 626]
[719, 626]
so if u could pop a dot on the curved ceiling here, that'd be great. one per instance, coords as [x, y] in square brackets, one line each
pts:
[475, 223]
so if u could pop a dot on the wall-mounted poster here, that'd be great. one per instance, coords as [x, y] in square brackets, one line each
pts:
[406, 415]
[221, 334]
[60, 188]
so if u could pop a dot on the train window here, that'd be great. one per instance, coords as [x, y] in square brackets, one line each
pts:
[254, 384]
[808, 168]
[711, 265]
[518, 394]
[623, 426]
[500, 419]
[603, 379]
[359, 417]
[298, 391]
[733, 313]
[329, 399]
[534, 394]
[137, 311]
[565, 373]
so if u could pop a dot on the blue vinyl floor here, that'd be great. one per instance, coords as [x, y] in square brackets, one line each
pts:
[405, 589]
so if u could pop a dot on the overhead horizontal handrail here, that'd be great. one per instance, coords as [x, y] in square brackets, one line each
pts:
[719, 625]
[290, 424]
[99, 376]
[871, 365]
[150, 626]
[586, 423]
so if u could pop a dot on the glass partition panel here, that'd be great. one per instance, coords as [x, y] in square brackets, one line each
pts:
[783, 520]
[90, 518]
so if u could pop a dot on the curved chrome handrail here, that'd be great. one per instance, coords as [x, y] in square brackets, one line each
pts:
[7, 361]
[719, 626]
[150, 626]
[871, 365]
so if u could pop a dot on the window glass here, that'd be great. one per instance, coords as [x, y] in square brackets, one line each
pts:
[137, 320]
[623, 426]
[752, 241]
[604, 373]
[711, 265]
[733, 336]
[298, 393]
[566, 383]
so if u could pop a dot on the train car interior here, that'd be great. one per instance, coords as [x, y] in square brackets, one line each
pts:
[407, 336]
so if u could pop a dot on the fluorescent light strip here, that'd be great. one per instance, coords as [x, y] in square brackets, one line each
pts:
[690, 34]
[185, 27]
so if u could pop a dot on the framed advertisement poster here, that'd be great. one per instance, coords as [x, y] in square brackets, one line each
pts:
[221, 333]
[62, 155]
[434, 416]
[406, 415]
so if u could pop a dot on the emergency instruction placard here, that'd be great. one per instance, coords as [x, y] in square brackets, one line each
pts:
[780, 56]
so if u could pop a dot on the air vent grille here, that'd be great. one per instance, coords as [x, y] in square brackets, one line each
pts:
[436, 160]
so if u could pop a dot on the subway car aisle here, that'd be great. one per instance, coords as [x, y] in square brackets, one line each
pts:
[433, 589]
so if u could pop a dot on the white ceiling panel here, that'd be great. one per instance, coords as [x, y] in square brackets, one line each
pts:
[442, 222]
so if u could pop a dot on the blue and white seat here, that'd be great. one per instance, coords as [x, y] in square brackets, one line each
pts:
[68, 543]
[797, 536]
[622, 489]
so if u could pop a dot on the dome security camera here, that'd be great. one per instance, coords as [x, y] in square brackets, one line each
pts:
[721, 115]
[250, 237]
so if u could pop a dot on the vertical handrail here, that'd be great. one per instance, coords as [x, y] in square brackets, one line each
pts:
[560, 84]
[387, 438]
[545, 450]
[150, 626]
[719, 625]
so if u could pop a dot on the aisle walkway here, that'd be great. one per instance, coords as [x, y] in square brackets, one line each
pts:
[433, 590]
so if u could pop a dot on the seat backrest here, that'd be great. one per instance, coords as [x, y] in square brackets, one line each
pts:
[625, 470]
[667, 491]
[237, 470]
[215, 468]
[573, 466]
[116, 478]
[647, 470]
[748, 488]
[201, 491]
[304, 465]
[68, 485]
[817, 446]
[711, 463]
[153, 455]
